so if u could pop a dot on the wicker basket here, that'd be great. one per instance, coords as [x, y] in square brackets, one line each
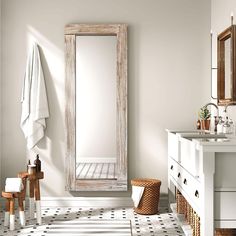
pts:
[181, 203]
[148, 204]
[196, 225]
[225, 232]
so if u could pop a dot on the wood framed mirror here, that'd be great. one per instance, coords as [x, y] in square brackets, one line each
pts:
[226, 69]
[96, 107]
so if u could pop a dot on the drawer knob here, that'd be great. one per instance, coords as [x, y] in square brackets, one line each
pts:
[196, 194]
[185, 181]
[171, 167]
[178, 175]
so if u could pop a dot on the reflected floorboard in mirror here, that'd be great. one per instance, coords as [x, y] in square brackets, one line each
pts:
[95, 170]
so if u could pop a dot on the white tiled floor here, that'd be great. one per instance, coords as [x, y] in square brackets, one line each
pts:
[161, 224]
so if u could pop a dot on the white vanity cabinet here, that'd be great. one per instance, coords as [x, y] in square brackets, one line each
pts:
[204, 171]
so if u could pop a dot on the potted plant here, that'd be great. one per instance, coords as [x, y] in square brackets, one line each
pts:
[205, 116]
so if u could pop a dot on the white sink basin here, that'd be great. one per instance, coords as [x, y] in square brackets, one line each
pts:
[201, 135]
[188, 131]
[219, 140]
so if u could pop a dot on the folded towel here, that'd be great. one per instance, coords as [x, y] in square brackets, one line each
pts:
[137, 193]
[14, 185]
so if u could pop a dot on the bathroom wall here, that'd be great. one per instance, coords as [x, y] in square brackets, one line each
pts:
[221, 11]
[169, 77]
[0, 85]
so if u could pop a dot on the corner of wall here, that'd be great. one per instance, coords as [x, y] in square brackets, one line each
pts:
[0, 85]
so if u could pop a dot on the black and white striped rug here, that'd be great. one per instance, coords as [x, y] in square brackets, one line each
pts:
[64, 221]
[90, 228]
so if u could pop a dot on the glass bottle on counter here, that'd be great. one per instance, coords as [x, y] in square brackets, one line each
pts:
[220, 125]
[232, 128]
[226, 126]
[198, 124]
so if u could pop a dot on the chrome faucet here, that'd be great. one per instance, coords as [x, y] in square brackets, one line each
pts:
[228, 104]
[217, 116]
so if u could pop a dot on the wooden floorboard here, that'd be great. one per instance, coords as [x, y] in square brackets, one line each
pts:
[95, 170]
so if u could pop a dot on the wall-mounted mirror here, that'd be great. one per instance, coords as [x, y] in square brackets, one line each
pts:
[96, 107]
[226, 68]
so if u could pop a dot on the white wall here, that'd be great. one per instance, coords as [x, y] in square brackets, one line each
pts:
[169, 77]
[0, 85]
[220, 20]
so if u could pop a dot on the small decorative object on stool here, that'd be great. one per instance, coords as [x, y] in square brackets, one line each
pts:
[37, 162]
[149, 202]
[14, 189]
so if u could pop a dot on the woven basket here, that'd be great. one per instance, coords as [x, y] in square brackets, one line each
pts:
[148, 204]
[181, 203]
[225, 232]
[196, 225]
[188, 210]
[192, 218]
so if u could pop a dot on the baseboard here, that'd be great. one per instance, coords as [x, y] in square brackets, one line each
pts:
[91, 201]
[86, 201]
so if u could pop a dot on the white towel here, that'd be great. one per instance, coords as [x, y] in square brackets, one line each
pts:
[14, 185]
[137, 193]
[34, 100]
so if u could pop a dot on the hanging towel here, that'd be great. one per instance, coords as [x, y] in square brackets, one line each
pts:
[14, 185]
[137, 193]
[34, 100]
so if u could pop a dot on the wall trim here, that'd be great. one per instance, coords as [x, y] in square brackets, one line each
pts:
[86, 201]
[90, 201]
[93, 201]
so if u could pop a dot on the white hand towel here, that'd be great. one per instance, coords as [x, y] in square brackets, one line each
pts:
[34, 100]
[137, 193]
[13, 185]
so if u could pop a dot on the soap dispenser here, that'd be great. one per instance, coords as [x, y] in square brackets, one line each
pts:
[220, 125]
[226, 126]
[232, 128]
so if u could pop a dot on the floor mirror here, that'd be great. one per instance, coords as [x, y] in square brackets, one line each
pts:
[96, 107]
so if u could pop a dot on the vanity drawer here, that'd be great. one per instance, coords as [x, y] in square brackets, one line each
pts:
[186, 183]
[172, 167]
[189, 158]
[173, 146]
[191, 186]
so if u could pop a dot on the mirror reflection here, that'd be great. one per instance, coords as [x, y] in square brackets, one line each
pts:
[227, 60]
[226, 66]
[96, 107]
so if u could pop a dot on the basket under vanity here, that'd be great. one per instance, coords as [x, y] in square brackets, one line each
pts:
[203, 168]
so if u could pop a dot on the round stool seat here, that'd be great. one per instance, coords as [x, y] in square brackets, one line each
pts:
[8, 195]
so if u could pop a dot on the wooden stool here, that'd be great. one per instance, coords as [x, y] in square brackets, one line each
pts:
[34, 194]
[10, 206]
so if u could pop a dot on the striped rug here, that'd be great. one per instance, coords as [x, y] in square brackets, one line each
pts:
[90, 228]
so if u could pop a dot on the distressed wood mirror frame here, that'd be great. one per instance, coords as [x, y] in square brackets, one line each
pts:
[120, 31]
[229, 33]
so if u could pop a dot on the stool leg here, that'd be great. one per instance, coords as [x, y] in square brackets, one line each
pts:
[31, 199]
[24, 191]
[7, 213]
[21, 211]
[38, 203]
[24, 203]
[12, 214]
